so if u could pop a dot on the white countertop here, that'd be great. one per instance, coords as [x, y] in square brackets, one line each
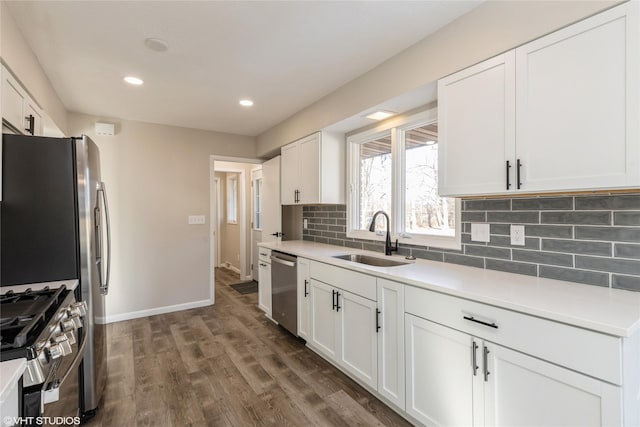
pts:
[10, 373]
[70, 284]
[610, 311]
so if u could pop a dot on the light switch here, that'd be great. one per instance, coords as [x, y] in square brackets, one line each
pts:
[196, 219]
[480, 232]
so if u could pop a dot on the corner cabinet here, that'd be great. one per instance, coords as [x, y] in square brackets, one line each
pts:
[313, 170]
[557, 114]
[19, 111]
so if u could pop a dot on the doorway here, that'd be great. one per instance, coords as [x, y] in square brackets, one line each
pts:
[256, 218]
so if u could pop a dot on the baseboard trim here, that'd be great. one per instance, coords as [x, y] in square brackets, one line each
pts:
[231, 267]
[153, 311]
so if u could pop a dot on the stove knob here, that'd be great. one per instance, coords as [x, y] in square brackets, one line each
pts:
[71, 337]
[77, 321]
[74, 311]
[80, 307]
[68, 325]
[63, 342]
[55, 351]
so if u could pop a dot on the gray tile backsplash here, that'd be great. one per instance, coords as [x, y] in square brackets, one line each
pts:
[593, 240]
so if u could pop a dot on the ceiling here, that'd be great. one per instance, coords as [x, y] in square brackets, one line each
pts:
[282, 55]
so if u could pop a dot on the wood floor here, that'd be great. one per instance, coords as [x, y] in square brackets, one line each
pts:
[226, 365]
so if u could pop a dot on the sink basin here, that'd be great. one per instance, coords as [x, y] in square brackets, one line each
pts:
[371, 260]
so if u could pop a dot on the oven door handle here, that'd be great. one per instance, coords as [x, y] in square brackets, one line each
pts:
[283, 261]
[73, 365]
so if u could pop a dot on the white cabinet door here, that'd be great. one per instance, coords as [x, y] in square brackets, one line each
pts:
[577, 105]
[304, 298]
[476, 108]
[13, 101]
[290, 176]
[439, 374]
[358, 341]
[323, 319]
[521, 390]
[271, 209]
[309, 180]
[264, 287]
[390, 324]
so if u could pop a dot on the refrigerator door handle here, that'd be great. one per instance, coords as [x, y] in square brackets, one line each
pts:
[104, 287]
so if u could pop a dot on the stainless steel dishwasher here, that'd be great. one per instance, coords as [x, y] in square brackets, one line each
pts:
[284, 290]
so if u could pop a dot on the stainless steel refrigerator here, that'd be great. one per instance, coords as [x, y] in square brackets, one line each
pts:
[54, 225]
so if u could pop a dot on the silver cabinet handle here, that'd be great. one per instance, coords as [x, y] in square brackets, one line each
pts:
[282, 261]
[485, 364]
[474, 362]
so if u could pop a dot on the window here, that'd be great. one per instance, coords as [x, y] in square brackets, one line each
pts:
[394, 168]
[257, 204]
[232, 199]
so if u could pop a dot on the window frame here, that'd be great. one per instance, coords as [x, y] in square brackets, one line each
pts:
[232, 199]
[397, 127]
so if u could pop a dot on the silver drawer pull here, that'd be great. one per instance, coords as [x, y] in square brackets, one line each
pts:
[471, 319]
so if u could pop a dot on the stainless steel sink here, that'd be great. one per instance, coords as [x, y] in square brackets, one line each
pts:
[371, 260]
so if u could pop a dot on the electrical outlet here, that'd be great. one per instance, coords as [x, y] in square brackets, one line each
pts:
[480, 232]
[196, 219]
[517, 235]
[305, 223]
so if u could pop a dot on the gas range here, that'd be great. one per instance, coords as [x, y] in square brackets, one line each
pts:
[46, 327]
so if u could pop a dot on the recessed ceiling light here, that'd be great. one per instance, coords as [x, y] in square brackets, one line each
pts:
[380, 115]
[133, 80]
[156, 44]
[246, 102]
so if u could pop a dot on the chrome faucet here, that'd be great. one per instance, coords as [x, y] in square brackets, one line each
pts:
[388, 247]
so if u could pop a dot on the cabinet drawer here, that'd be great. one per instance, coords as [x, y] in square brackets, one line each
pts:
[354, 282]
[264, 254]
[590, 352]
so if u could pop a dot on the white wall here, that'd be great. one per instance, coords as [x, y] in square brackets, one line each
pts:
[20, 59]
[491, 28]
[155, 177]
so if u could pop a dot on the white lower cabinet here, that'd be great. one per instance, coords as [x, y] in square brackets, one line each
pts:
[343, 329]
[264, 281]
[390, 326]
[522, 390]
[304, 299]
[456, 379]
[438, 369]
[358, 342]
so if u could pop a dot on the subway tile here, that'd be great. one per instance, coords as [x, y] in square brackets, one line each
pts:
[576, 218]
[352, 244]
[549, 258]
[319, 226]
[376, 247]
[336, 228]
[512, 267]
[630, 283]
[573, 275]
[487, 251]
[487, 205]
[341, 215]
[514, 217]
[542, 203]
[335, 242]
[341, 221]
[577, 247]
[473, 216]
[331, 234]
[627, 218]
[464, 260]
[611, 265]
[499, 229]
[505, 241]
[615, 202]
[622, 250]
[612, 234]
[321, 239]
[429, 255]
[329, 221]
[558, 231]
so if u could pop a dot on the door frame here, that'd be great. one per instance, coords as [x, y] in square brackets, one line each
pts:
[242, 215]
[215, 221]
[252, 228]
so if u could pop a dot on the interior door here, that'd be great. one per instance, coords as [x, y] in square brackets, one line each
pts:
[256, 219]
[271, 210]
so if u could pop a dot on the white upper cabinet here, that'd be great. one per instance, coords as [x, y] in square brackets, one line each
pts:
[556, 114]
[18, 109]
[313, 170]
[476, 108]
